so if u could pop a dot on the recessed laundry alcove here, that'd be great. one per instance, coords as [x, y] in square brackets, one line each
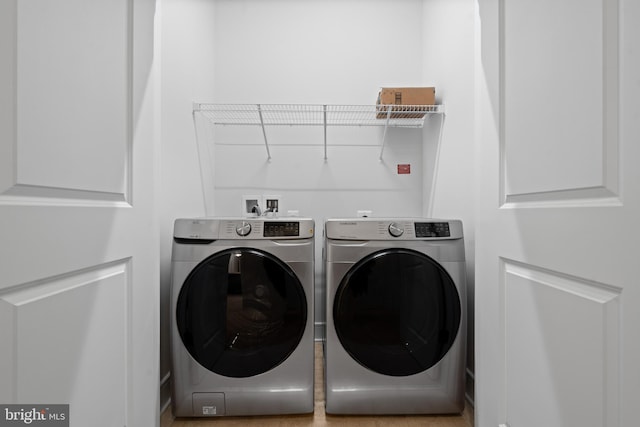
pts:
[317, 53]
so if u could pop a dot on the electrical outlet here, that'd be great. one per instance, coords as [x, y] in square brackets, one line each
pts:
[272, 204]
[251, 205]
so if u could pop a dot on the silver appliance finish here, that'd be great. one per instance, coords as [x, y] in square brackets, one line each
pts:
[284, 389]
[353, 388]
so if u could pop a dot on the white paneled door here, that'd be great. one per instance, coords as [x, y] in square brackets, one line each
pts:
[557, 285]
[78, 236]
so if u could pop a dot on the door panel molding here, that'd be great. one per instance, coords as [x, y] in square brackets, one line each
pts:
[538, 100]
[50, 196]
[89, 117]
[537, 329]
[96, 306]
[583, 197]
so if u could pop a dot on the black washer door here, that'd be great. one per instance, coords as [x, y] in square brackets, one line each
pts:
[397, 312]
[241, 312]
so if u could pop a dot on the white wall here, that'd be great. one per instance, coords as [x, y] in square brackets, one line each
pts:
[186, 74]
[449, 59]
[316, 52]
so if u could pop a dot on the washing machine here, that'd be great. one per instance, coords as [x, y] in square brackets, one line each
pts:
[396, 316]
[242, 316]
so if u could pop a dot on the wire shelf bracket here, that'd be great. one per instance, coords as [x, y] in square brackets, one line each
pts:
[264, 133]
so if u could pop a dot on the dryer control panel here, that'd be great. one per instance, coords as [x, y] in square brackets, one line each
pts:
[392, 229]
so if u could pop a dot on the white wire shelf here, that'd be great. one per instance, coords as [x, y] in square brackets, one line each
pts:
[317, 115]
[263, 115]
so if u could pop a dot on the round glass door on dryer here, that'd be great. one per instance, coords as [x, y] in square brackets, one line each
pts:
[397, 312]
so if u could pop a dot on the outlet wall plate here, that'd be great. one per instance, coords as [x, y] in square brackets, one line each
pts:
[272, 204]
[249, 203]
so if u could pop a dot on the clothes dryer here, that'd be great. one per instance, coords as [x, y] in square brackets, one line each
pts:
[242, 316]
[396, 316]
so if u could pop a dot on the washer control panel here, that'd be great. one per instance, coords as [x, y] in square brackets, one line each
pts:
[247, 228]
[281, 229]
[267, 229]
[432, 229]
[395, 229]
[243, 229]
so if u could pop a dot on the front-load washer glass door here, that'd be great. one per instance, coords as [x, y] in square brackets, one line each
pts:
[241, 312]
[397, 312]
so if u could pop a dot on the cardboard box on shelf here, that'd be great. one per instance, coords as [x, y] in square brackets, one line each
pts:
[405, 96]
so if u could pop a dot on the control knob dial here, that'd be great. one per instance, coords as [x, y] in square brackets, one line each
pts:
[395, 229]
[243, 229]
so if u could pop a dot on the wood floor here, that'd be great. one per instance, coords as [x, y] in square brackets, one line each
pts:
[320, 418]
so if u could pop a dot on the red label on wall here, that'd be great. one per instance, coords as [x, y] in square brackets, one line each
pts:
[404, 169]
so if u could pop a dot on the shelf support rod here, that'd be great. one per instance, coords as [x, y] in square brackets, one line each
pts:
[324, 108]
[264, 132]
[386, 126]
